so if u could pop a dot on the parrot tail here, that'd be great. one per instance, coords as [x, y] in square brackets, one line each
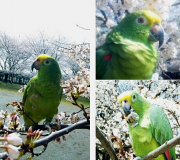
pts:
[167, 155]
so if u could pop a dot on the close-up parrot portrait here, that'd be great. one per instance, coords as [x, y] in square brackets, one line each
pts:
[43, 92]
[128, 51]
[149, 126]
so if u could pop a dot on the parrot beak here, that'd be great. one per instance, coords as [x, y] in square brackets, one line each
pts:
[36, 65]
[126, 107]
[125, 99]
[156, 34]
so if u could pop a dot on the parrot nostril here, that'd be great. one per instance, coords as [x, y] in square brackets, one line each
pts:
[38, 60]
[125, 101]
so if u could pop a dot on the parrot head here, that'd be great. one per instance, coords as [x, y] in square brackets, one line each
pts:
[46, 66]
[145, 25]
[132, 102]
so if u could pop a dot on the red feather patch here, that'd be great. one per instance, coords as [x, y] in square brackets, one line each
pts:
[167, 155]
[107, 57]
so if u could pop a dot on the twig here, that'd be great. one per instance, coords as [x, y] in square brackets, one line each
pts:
[175, 4]
[173, 114]
[80, 110]
[105, 17]
[82, 27]
[81, 106]
[163, 72]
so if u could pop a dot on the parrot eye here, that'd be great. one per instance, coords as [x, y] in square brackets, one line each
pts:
[133, 97]
[47, 62]
[141, 20]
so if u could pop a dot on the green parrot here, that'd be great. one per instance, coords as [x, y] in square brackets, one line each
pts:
[149, 126]
[43, 92]
[129, 52]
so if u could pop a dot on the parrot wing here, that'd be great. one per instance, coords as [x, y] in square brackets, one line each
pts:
[112, 47]
[105, 52]
[26, 91]
[161, 129]
[103, 56]
[61, 92]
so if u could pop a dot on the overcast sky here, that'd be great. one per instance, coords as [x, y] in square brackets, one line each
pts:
[21, 18]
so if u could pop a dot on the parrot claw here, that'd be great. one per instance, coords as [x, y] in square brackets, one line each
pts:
[133, 117]
[137, 158]
[134, 124]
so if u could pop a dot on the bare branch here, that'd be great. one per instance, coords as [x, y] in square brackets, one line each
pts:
[175, 4]
[82, 27]
[44, 141]
[166, 146]
[105, 144]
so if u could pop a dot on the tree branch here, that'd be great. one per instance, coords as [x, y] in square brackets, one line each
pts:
[44, 141]
[166, 146]
[105, 144]
[57, 134]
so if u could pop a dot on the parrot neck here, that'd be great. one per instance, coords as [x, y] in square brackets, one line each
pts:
[53, 77]
[145, 107]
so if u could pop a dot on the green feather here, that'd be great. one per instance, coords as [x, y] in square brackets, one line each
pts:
[160, 127]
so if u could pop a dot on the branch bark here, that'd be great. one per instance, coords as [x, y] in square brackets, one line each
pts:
[57, 134]
[44, 141]
[166, 146]
[106, 145]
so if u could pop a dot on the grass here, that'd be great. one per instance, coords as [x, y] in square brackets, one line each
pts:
[15, 87]
[9, 86]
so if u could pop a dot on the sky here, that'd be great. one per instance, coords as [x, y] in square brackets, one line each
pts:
[23, 18]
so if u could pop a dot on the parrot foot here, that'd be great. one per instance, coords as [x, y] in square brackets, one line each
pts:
[133, 118]
[137, 158]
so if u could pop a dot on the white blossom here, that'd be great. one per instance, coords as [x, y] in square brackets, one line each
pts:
[14, 139]
[12, 151]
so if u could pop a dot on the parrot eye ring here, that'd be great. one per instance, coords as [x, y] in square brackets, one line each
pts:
[141, 20]
[133, 97]
[47, 62]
